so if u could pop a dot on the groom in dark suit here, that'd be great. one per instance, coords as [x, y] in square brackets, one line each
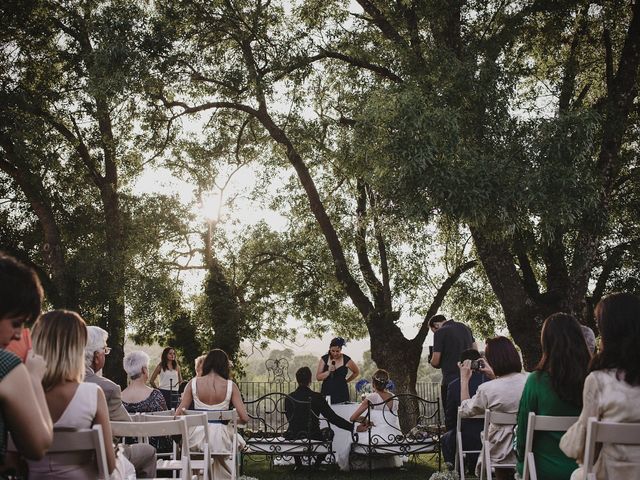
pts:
[304, 417]
[304, 421]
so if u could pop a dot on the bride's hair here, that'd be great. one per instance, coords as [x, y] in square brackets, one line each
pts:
[380, 379]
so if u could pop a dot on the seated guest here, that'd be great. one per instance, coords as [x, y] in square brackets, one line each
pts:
[612, 389]
[60, 337]
[300, 425]
[198, 362]
[304, 422]
[470, 428]
[502, 394]
[590, 338]
[555, 389]
[379, 381]
[23, 407]
[214, 390]
[142, 456]
[139, 398]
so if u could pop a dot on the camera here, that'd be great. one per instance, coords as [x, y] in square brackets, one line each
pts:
[476, 365]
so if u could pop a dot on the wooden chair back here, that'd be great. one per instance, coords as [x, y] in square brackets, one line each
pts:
[541, 423]
[460, 452]
[607, 432]
[159, 426]
[499, 419]
[85, 440]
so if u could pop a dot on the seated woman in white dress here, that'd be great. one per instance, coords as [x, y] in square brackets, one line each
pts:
[384, 420]
[612, 389]
[380, 394]
[60, 337]
[214, 391]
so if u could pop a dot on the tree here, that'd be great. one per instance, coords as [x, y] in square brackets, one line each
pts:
[70, 145]
[541, 191]
[237, 56]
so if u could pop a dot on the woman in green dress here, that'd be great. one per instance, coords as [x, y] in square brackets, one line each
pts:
[555, 389]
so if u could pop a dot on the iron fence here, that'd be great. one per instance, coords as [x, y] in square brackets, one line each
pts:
[254, 390]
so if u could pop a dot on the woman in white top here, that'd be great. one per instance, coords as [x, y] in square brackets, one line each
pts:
[502, 363]
[168, 372]
[383, 421]
[214, 391]
[60, 337]
[612, 389]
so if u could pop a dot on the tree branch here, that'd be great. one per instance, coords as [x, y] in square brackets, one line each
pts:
[382, 23]
[361, 247]
[439, 298]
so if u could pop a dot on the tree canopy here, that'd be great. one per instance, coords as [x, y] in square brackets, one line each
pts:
[477, 155]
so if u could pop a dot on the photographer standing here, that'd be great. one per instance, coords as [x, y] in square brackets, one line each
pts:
[450, 339]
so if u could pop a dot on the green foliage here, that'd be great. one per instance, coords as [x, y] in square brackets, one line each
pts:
[222, 315]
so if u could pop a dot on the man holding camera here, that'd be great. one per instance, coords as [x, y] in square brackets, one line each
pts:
[450, 339]
[470, 428]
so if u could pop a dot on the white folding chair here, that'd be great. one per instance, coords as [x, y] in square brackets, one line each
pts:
[541, 423]
[85, 440]
[198, 419]
[155, 426]
[165, 414]
[607, 432]
[460, 452]
[220, 416]
[498, 419]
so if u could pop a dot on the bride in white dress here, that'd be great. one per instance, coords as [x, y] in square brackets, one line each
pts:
[384, 417]
[214, 391]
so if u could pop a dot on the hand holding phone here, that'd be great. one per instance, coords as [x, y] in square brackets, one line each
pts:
[22, 346]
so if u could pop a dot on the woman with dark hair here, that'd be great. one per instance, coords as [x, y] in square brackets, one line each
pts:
[170, 378]
[215, 391]
[502, 363]
[555, 389]
[333, 369]
[612, 389]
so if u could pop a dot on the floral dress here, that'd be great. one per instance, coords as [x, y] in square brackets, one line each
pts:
[153, 403]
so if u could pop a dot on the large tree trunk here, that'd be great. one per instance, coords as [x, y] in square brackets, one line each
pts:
[115, 283]
[400, 357]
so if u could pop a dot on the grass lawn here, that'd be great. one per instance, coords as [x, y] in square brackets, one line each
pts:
[260, 469]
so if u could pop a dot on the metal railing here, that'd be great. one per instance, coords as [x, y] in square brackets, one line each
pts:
[254, 390]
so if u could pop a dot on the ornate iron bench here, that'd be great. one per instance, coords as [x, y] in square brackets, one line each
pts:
[266, 434]
[411, 428]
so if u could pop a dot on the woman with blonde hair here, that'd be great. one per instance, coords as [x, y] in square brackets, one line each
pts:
[60, 337]
[198, 363]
